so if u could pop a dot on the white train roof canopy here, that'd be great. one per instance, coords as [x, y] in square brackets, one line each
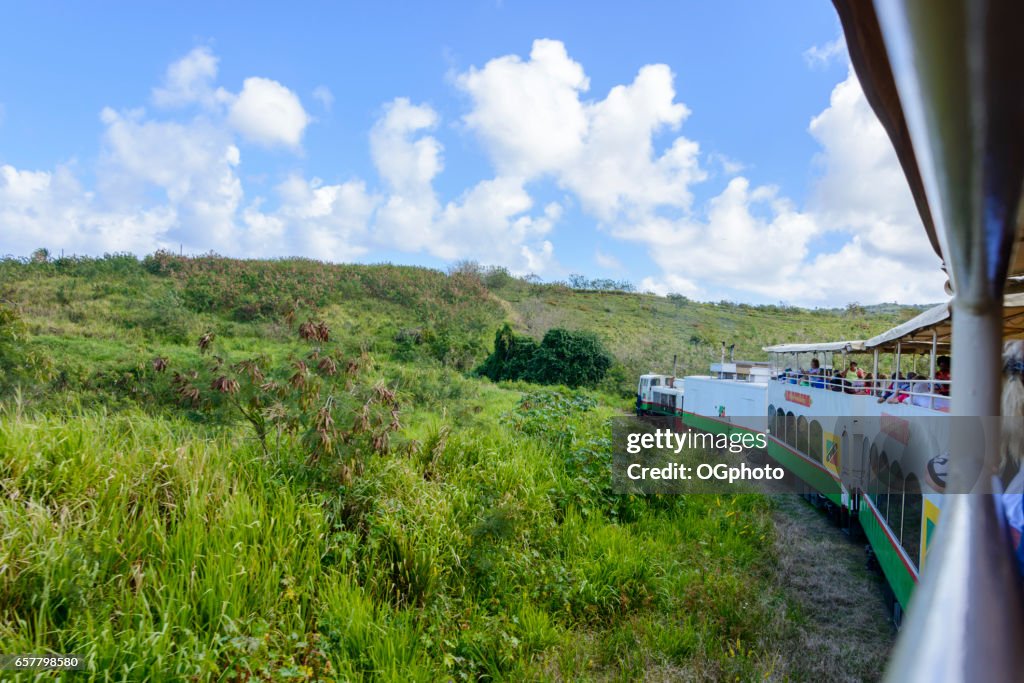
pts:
[938, 320]
[916, 332]
[848, 346]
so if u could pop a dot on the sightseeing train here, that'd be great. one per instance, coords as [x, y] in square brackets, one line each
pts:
[873, 452]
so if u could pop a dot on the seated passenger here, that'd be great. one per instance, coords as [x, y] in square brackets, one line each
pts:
[852, 378]
[913, 385]
[942, 375]
[1012, 444]
[923, 391]
[854, 372]
[814, 373]
[865, 387]
[897, 390]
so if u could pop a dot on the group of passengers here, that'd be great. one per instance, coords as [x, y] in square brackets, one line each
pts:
[913, 388]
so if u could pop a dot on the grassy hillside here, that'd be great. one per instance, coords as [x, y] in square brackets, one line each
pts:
[645, 331]
[97, 316]
[161, 537]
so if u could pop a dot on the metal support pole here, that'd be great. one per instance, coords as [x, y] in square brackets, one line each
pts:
[874, 375]
[896, 376]
[931, 369]
[897, 373]
[845, 384]
[976, 359]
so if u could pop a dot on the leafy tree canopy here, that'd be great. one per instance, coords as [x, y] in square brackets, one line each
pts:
[563, 357]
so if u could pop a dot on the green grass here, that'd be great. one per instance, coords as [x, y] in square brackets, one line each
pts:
[413, 315]
[645, 331]
[160, 544]
[157, 549]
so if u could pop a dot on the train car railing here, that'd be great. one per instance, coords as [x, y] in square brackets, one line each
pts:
[924, 393]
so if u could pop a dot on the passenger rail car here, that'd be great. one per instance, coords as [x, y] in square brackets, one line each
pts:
[871, 450]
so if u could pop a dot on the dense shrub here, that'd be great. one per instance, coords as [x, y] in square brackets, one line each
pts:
[563, 357]
[497, 277]
[320, 397]
[12, 331]
[512, 356]
[571, 358]
[577, 281]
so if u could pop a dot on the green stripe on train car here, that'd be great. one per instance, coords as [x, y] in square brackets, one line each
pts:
[896, 572]
[889, 558]
[818, 479]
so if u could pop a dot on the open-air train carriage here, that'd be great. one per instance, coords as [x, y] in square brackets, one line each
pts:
[876, 453]
[946, 81]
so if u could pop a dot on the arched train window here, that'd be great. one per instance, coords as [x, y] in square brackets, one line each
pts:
[894, 514]
[882, 498]
[913, 511]
[816, 438]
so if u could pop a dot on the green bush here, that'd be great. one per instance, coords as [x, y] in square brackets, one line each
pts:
[12, 333]
[512, 356]
[571, 358]
[574, 359]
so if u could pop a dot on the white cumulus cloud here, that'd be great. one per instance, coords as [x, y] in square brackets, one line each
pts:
[173, 176]
[533, 120]
[43, 208]
[327, 222]
[529, 114]
[754, 242]
[490, 221]
[819, 56]
[268, 113]
[193, 164]
[190, 80]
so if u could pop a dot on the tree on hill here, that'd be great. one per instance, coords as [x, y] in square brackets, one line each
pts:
[511, 358]
[563, 357]
[571, 358]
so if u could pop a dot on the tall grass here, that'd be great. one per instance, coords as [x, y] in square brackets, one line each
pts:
[487, 546]
[414, 315]
[158, 550]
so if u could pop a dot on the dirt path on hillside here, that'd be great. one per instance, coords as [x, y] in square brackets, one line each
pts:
[842, 631]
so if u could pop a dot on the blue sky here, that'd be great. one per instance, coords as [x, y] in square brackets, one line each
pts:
[721, 150]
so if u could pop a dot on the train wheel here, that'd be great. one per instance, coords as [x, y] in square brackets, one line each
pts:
[897, 614]
[872, 564]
